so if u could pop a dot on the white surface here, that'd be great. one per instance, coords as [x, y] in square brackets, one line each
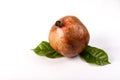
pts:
[25, 23]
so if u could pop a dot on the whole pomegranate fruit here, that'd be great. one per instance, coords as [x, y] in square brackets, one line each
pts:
[69, 36]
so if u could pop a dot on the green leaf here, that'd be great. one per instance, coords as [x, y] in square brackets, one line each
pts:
[95, 56]
[54, 55]
[44, 49]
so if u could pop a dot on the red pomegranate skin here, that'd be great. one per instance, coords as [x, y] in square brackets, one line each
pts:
[69, 36]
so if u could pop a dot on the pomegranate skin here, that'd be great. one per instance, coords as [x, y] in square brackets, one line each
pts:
[69, 36]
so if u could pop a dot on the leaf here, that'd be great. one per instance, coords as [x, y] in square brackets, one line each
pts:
[54, 55]
[44, 49]
[95, 56]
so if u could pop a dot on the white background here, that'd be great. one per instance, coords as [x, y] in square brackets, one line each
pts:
[25, 23]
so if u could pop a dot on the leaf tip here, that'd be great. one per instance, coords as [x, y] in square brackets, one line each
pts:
[109, 62]
[32, 49]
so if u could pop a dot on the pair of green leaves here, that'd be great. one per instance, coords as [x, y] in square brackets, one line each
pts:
[90, 54]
